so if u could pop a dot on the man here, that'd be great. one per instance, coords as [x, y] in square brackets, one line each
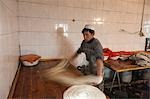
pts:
[93, 51]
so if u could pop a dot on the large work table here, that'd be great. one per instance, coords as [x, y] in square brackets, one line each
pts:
[122, 66]
[30, 84]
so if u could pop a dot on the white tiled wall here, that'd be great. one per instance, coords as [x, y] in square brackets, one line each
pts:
[38, 20]
[9, 51]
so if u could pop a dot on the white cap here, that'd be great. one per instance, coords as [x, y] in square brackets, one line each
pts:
[89, 26]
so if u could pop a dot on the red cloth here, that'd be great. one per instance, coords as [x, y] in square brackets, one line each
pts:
[110, 53]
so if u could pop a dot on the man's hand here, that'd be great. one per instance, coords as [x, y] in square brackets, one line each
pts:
[98, 80]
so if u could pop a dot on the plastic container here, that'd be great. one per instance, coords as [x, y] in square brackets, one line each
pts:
[107, 73]
[26, 63]
[30, 59]
[126, 77]
[146, 76]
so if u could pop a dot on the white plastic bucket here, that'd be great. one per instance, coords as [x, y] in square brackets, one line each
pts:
[126, 77]
[26, 63]
[107, 73]
[146, 76]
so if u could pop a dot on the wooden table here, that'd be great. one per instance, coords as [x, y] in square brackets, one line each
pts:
[30, 84]
[122, 66]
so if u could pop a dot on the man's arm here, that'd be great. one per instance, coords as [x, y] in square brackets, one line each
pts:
[79, 51]
[72, 58]
[100, 67]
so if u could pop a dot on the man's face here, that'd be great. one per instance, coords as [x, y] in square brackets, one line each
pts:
[87, 36]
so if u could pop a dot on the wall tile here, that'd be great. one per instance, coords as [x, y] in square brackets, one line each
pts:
[78, 3]
[38, 10]
[38, 24]
[69, 3]
[50, 2]
[51, 20]
[44, 38]
[65, 13]
[53, 12]
[11, 4]
[100, 4]
[113, 5]
[9, 45]
[128, 18]
[147, 7]
[109, 16]
[24, 9]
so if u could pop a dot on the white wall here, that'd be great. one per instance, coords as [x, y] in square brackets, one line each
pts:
[38, 20]
[9, 51]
